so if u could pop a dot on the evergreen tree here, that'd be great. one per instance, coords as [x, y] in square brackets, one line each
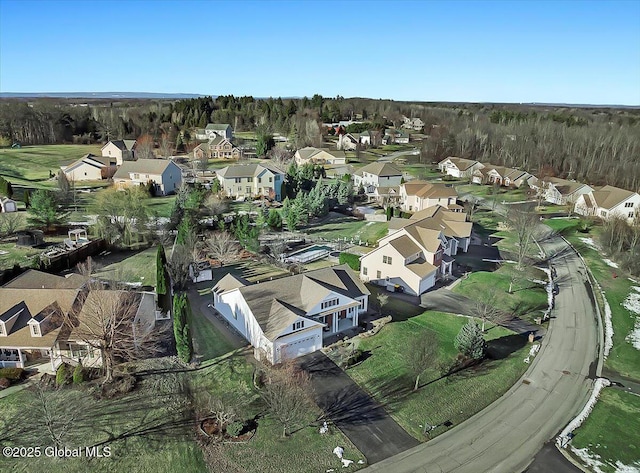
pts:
[470, 341]
[274, 220]
[161, 272]
[246, 233]
[181, 330]
[44, 211]
[345, 192]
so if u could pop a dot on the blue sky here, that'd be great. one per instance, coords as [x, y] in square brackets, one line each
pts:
[504, 51]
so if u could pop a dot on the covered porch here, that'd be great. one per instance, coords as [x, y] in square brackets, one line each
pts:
[18, 357]
[339, 320]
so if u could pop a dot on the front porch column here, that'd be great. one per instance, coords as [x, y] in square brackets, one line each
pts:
[334, 320]
[20, 359]
[355, 316]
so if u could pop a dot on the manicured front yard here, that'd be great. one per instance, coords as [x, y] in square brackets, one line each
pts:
[611, 434]
[453, 398]
[528, 299]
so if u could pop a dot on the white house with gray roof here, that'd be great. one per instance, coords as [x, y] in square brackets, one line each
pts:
[246, 181]
[319, 156]
[165, 175]
[214, 129]
[121, 150]
[91, 168]
[290, 317]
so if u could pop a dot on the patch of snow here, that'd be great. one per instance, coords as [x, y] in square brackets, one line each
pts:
[613, 264]
[338, 451]
[622, 468]
[632, 304]
[589, 242]
[565, 436]
[346, 463]
[532, 352]
[608, 325]
[2, 252]
[549, 289]
[591, 460]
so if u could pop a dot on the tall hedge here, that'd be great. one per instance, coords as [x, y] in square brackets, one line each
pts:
[352, 260]
[181, 330]
[161, 271]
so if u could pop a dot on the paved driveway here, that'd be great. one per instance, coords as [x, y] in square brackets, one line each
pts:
[364, 421]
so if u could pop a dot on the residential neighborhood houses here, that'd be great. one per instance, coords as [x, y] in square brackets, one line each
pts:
[607, 201]
[212, 130]
[217, 147]
[290, 317]
[459, 167]
[121, 150]
[419, 195]
[91, 168]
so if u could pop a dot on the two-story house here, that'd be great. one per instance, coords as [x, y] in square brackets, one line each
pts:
[460, 168]
[214, 129]
[121, 150]
[91, 168]
[290, 317]
[607, 202]
[319, 156]
[217, 148]
[245, 181]
[165, 175]
[418, 195]
[417, 252]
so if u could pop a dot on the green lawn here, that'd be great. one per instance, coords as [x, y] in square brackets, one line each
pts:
[612, 431]
[161, 206]
[347, 227]
[528, 299]
[250, 270]
[172, 447]
[208, 343]
[10, 255]
[504, 194]
[33, 163]
[138, 268]
[454, 398]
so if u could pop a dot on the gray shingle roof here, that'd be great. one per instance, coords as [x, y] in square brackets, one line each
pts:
[380, 170]
[247, 170]
[142, 166]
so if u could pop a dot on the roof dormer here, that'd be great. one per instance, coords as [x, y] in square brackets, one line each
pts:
[35, 328]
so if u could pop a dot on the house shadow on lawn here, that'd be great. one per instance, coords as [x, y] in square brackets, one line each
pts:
[500, 348]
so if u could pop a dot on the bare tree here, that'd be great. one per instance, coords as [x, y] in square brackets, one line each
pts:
[523, 224]
[215, 204]
[144, 147]
[223, 247]
[382, 299]
[470, 206]
[9, 223]
[165, 147]
[107, 322]
[287, 394]
[421, 352]
[486, 308]
[182, 257]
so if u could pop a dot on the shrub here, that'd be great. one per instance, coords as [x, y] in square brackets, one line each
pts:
[234, 428]
[4, 383]
[78, 374]
[61, 375]
[12, 374]
[352, 260]
[181, 331]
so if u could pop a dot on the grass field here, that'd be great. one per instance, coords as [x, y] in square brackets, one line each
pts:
[32, 163]
[454, 398]
[528, 299]
[347, 228]
[250, 270]
[208, 343]
[137, 268]
[153, 443]
[611, 434]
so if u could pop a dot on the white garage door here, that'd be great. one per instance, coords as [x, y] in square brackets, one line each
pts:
[298, 348]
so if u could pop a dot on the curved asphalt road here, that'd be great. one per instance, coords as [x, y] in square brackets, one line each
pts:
[506, 436]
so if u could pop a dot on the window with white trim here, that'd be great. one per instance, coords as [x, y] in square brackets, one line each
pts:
[378, 274]
[35, 330]
[386, 259]
[628, 204]
[364, 271]
[298, 325]
[329, 303]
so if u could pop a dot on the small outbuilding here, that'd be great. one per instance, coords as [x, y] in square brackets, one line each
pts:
[8, 205]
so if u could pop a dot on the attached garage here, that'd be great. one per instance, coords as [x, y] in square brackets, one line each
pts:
[299, 347]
